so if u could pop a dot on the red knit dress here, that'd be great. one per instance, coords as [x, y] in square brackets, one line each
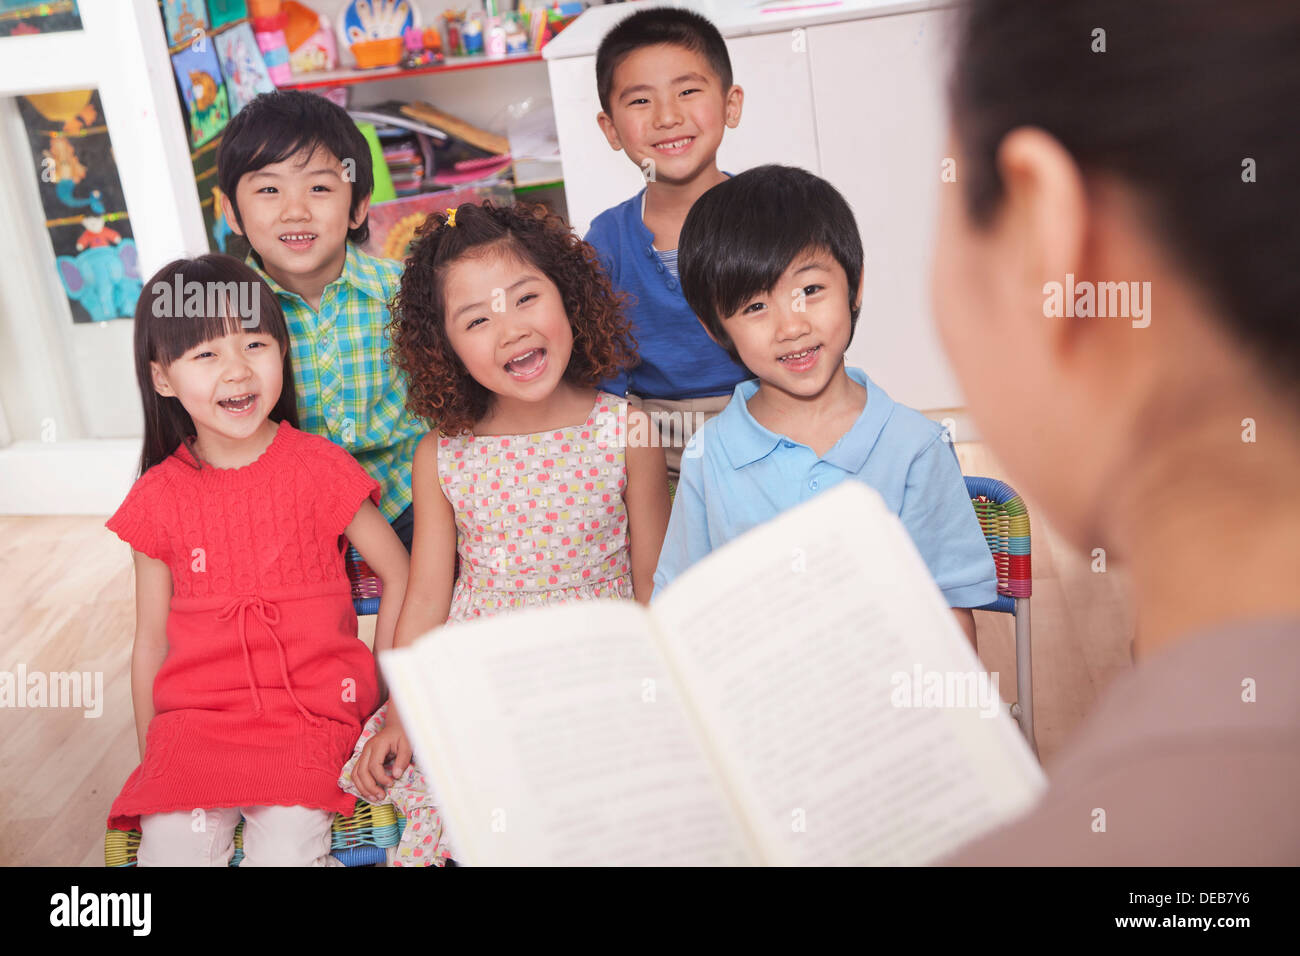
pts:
[265, 685]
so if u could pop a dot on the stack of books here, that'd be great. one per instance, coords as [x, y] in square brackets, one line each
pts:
[427, 149]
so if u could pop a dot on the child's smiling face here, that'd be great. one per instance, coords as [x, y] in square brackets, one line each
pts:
[667, 105]
[507, 323]
[296, 214]
[229, 385]
[793, 337]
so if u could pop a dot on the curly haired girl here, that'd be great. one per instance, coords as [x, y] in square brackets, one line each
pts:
[504, 324]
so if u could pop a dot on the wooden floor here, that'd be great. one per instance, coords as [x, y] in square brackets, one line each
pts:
[68, 584]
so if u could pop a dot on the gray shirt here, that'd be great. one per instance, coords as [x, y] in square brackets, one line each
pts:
[1178, 763]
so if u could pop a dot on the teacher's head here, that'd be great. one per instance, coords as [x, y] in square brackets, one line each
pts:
[1117, 275]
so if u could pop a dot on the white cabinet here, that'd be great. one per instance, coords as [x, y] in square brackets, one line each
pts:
[858, 101]
[881, 126]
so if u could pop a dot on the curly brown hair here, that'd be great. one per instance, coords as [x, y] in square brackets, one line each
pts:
[441, 390]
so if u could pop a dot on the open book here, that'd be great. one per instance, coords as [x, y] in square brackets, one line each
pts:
[791, 699]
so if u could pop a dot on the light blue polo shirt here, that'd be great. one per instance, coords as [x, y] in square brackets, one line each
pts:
[737, 474]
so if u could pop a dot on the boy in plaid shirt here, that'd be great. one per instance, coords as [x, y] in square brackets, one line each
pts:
[296, 179]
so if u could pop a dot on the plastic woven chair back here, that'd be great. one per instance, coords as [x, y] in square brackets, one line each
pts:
[366, 586]
[1005, 522]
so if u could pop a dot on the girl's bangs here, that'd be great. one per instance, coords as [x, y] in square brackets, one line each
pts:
[208, 298]
[181, 333]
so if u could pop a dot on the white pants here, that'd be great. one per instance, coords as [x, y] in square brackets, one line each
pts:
[273, 836]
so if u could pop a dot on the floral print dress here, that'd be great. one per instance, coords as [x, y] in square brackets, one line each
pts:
[540, 520]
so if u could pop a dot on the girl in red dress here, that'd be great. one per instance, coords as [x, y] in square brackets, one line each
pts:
[249, 682]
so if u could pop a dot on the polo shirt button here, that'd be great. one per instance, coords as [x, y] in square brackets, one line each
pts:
[814, 485]
[787, 444]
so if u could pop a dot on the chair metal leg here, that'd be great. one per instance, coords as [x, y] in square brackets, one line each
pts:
[1024, 709]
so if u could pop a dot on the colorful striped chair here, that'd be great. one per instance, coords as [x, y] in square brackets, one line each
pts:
[1005, 522]
[362, 839]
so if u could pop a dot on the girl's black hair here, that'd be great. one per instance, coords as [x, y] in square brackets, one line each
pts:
[742, 234]
[277, 125]
[166, 329]
[1192, 104]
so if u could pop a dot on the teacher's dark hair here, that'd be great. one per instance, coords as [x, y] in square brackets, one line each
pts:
[1192, 105]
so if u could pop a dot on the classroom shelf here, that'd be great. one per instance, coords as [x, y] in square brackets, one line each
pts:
[451, 64]
[530, 187]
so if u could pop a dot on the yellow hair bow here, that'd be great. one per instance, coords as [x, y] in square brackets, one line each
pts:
[451, 217]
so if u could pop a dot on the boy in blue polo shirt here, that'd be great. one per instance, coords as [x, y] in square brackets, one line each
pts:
[664, 79]
[769, 261]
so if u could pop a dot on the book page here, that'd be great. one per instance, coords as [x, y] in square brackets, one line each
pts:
[555, 736]
[854, 720]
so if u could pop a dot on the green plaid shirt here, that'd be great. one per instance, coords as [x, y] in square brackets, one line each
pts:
[347, 390]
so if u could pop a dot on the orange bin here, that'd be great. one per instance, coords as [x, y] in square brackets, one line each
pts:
[372, 53]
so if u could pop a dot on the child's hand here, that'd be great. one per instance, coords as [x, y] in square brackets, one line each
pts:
[370, 776]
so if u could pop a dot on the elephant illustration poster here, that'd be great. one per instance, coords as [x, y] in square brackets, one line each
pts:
[203, 91]
[85, 213]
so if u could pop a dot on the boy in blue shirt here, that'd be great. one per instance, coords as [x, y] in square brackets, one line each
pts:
[664, 79]
[772, 263]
